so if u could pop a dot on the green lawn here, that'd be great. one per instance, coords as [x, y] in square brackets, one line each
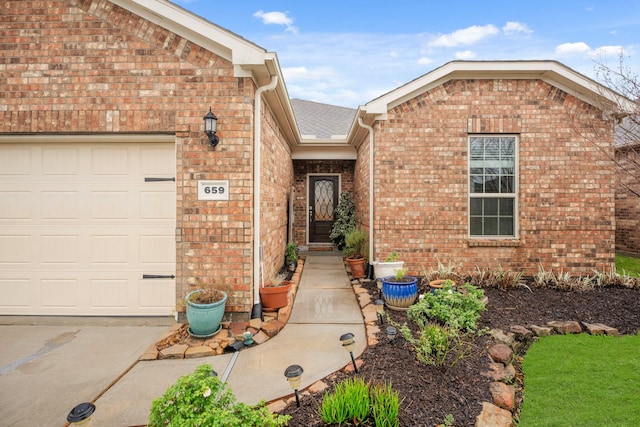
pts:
[582, 381]
[627, 265]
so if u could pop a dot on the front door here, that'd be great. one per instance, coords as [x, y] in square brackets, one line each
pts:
[323, 199]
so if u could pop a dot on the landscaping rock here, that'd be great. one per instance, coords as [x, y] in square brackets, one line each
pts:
[151, 353]
[260, 337]
[521, 333]
[237, 329]
[272, 328]
[318, 387]
[566, 327]
[600, 329]
[174, 352]
[493, 416]
[200, 351]
[349, 367]
[503, 395]
[541, 331]
[500, 335]
[255, 323]
[370, 314]
[501, 353]
[500, 373]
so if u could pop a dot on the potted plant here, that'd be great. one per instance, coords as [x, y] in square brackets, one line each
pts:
[345, 219]
[400, 291]
[275, 293]
[355, 250]
[205, 308]
[388, 267]
[291, 256]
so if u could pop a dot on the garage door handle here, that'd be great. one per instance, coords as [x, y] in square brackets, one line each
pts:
[158, 276]
[152, 179]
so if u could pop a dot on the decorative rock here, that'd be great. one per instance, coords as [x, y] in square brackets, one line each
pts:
[272, 328]
[349, 367]
[501, 353]
[276, 406]
[174, 352]
[500, 335]
[503, 395]
[370, 314]
[500, 372]
[364, 299]
[237, 329]
[600, 329]
[284, 314]
[260, 337]
[200, 351]
[521, 333]
[541, 331]
[566, 327]
[492, 416]
[151, 353]
[255, 323]
[318, 386]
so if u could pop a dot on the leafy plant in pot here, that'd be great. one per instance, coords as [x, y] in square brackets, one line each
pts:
[356, 252]
[275, 294]
[388, 267]
[400, 291]
[291, 256]
[345, 219]
[205, 308]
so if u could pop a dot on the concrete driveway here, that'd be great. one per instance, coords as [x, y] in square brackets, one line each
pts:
[48, 365]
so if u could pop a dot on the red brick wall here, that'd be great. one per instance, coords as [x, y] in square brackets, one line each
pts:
[345, 168]
[90, 66]
[628, 204]
[276, 187]
[566, 196]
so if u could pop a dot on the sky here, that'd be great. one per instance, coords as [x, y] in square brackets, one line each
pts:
[349, 52]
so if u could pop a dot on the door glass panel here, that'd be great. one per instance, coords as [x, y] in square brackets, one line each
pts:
[323, 208]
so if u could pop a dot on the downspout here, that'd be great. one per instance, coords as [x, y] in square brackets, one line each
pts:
[371, 151]
[257, 178]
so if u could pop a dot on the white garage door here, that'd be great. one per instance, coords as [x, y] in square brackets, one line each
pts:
[81, 224]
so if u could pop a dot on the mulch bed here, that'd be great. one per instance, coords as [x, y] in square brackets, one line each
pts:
[429, 395]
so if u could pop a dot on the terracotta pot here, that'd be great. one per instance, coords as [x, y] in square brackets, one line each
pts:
[437, 284]
[275, 297]
[356, 265]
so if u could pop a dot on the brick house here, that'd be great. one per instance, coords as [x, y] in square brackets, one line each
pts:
[113, 201]
[628, 194]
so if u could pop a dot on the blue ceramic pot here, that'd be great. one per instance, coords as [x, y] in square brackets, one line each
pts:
[400, 295]
[204, 319]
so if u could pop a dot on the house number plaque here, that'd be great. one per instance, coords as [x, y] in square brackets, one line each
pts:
[213, 190]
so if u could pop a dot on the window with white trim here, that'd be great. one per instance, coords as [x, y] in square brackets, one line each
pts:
[492, 186]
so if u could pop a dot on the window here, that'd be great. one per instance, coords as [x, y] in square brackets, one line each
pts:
[492, 186]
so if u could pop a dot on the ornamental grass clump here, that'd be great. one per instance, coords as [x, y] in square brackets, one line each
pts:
[355, 402]
[201, 399]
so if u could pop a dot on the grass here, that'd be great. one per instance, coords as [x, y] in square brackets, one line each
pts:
[627, 265]
[582, 380]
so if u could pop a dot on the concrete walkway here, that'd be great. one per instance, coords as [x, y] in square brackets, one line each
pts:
[325, 308]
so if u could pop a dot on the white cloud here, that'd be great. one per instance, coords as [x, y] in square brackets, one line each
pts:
[276, 18]
[608, 51]
[511, 28]
[425, 61]
[572, 48]
[465, 36]
[465, 54]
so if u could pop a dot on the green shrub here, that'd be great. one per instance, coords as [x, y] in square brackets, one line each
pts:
[438, 345]
[345, 219]
[458, 309]
[201, 399]
[356, 243]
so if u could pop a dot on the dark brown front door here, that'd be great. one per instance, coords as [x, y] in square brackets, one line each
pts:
[323, 199]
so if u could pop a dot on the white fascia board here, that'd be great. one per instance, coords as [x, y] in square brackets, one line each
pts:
[222, 42]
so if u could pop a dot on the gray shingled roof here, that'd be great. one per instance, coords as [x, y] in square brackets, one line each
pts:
[322, 120]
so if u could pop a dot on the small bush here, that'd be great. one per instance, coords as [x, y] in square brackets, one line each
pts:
[201, 399]
[458, 309]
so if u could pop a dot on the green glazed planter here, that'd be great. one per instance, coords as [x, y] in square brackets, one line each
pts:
[204, 319]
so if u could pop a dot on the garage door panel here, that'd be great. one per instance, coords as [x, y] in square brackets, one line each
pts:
[16, 205]
[79, 227]
[15, 250]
